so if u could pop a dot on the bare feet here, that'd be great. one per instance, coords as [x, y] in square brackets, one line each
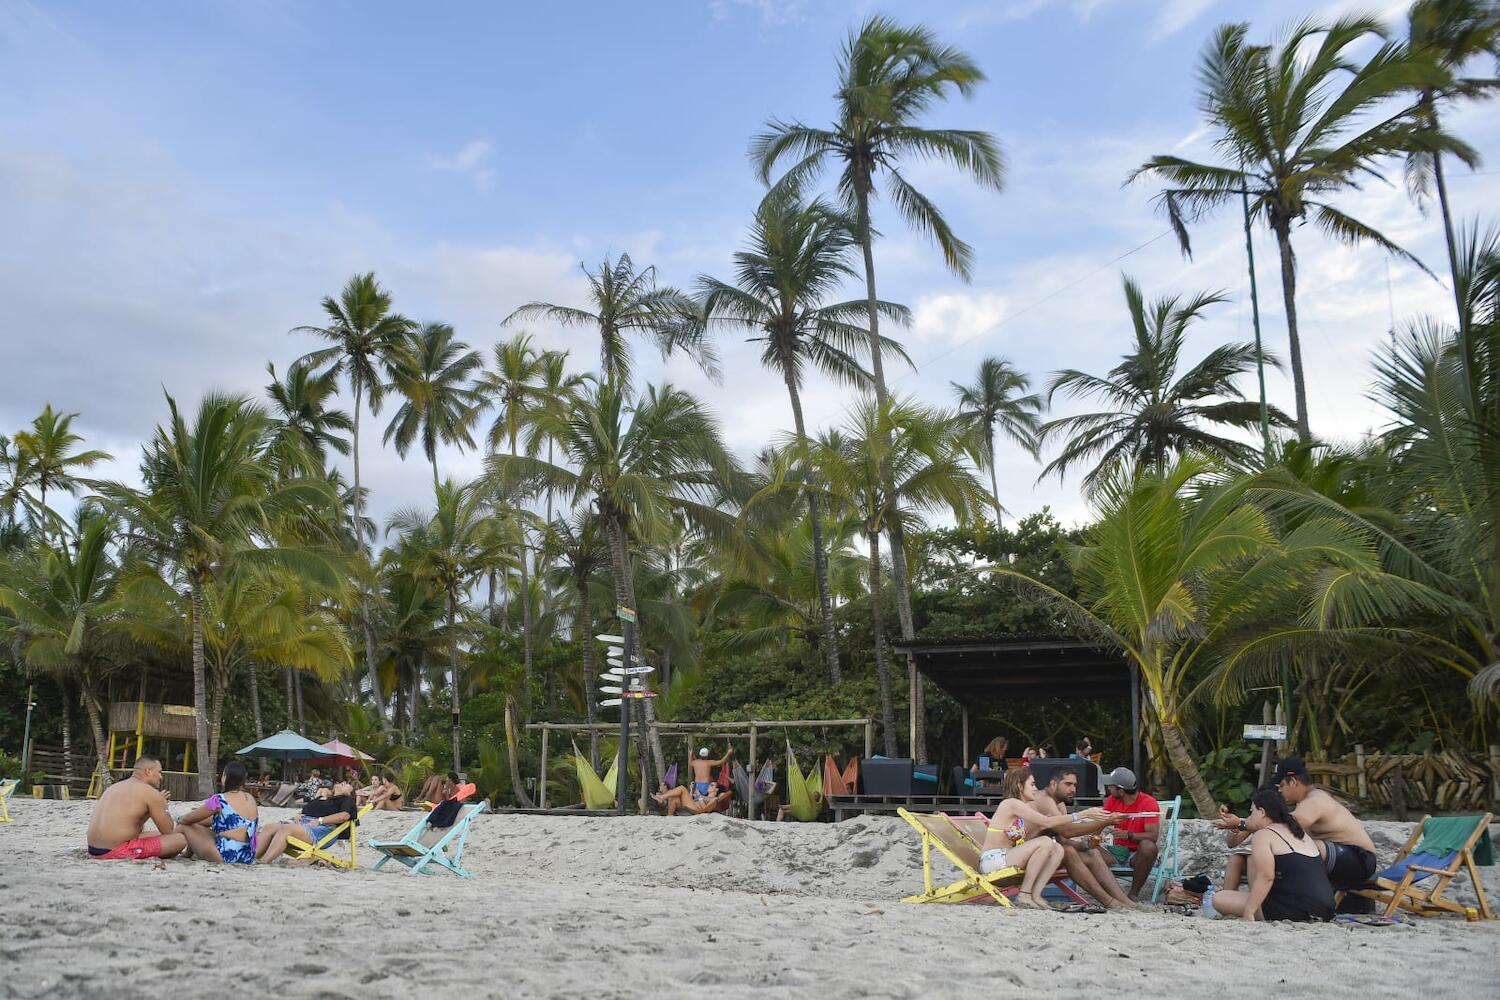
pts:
[1029, 901]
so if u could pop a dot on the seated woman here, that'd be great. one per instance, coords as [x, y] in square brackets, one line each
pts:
[319, 818]
[368, 792]
[233, 818]
[382, 793]
[995, 751]
[1013, 838]
[683, 798]
[1288, 880]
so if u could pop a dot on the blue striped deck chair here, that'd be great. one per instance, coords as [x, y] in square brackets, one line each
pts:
[446, 853]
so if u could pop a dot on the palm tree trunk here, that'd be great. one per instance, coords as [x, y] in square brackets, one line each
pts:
[513, 754]
[590, 684]
[901, 582]
[301, 703]
[96, 728]
[255, 702]
[994, 479]
[290, 699]
[200, 697]
[820, 555]
[1294, 340]
[1187, 768]
[359, 541]
[882, 657]
[867, 247]
[67, 730]
[1441, 182]
[526, 662]
[453, 707]
[489, 601]
[216, 718]
[619, 560]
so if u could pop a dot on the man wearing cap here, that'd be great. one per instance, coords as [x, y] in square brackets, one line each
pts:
[1135, 838]
[703, 771]
[1348, 851]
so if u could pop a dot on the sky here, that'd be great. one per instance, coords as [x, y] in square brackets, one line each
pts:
[182, 183]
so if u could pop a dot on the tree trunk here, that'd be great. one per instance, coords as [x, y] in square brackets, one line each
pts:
[216, 718]
[1187, 768]
[513, 755]
[290, 699]
[989, 435]
[590, 681]
[67, 730]
[301, 703]
[882, 657]
[902, 583]
[1441, 183]
[359, 541]
[453, 705]
[96, 727]
[619, 560]
[867, 247]
[489, 601]
[260, 733]
[1294, 340]
[820, 554]
[526, 662]
[200, 698]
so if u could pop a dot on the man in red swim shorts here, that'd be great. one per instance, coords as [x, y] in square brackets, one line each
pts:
[119, 820]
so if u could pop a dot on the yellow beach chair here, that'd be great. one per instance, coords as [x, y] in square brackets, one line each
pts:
[298, 848]
[6, 787]
[1441, 848]
[597, 794]
[941, 832]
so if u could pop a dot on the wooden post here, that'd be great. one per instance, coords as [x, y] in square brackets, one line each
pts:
[1398, 793]
[964, 717]
[1265, 745]
[542, 781]
[869, 738]
[1494, 777]
[1135, 720]
[750, 802]
[1359, 773]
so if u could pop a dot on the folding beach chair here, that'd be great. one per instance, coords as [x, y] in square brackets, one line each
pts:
[6, 787]
[939, 831]
[975, 828]
[1440, 848]
[283, 794]
[446, 853]
[1165, 870]
[299, 848]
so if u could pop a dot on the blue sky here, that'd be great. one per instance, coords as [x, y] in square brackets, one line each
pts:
[181, 183]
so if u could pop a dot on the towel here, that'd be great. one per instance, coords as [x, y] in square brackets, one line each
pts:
[1442, 835]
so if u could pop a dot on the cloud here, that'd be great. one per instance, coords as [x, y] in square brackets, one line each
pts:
[772, 13]
[1175, 15]
[471, 160]
[953, 317]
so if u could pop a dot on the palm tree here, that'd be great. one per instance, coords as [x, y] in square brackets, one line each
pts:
[60, 595]
[209, 502]
[305, 428]
[996, 398]
[450, 547]
[45, 458]
[430, 371]
[573, 544]
[1153, 414]
[627, 301]
[412, 639]
[637, 465]
[558, 388]
[888, 463]
[1451, 33]
[362, 333]
[1293, 124]
[797, 258]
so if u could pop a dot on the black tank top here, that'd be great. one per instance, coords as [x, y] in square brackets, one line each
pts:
[1302, 878]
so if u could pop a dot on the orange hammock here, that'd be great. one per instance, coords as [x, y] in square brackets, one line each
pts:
[836, 782]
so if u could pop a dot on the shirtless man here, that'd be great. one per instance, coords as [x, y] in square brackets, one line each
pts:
[1081, 856]
[120, 818]
[703, 771]
[1348, 852]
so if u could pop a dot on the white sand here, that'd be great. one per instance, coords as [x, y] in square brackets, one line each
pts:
[648, 906]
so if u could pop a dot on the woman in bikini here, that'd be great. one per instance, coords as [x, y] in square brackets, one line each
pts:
[234, 818]
[1288, 880]
[1013, 838]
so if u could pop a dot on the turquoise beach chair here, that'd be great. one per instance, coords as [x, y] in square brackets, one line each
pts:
[417, 856]
[1165, 870]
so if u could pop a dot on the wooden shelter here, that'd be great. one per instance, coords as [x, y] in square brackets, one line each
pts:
[159, 728]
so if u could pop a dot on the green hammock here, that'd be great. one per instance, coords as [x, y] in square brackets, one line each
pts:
[804, 795]
[596, 794]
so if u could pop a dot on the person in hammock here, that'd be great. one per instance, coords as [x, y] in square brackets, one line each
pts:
[682, 799]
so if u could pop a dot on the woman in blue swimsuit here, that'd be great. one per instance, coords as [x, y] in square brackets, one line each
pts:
[233, 816]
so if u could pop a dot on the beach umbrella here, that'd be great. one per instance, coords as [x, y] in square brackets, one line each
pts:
[345, 755]
[286, 745]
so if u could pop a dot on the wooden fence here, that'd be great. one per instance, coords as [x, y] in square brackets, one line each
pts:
[1435, 781]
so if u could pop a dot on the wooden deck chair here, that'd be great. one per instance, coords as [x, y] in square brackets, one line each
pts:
[597, 793]
[446, 853]
[804, 794]
[1440, 848]
[836, 782]
[939, 831]
[296, 847]
[6, 787]
[1165, 870]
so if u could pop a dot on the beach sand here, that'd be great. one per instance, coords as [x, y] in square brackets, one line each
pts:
[649, 906]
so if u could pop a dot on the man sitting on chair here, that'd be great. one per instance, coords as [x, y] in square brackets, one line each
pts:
[120, 818]
[1136, 838]
[703, 772]
[1083, 860]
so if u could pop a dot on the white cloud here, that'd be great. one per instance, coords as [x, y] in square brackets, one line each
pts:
[1175, 15]
[772, 13]
[472, 160]
[956, 316]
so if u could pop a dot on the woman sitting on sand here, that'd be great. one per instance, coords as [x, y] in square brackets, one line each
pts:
[234, 817]
[682, 798]
[382, 793]
[319, 818]
[1013, 838]
[1288, 880]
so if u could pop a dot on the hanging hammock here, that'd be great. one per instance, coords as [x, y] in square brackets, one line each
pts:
[597, 794]
[804, 795]
[836, 782]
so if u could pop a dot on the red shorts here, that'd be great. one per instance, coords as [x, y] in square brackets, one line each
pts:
[140, 849]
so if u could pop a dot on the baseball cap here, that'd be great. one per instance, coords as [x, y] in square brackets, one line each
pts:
[703, 751]
[1291, 767]
[1121, 777]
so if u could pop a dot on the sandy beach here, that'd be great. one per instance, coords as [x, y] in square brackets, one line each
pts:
[647, 906]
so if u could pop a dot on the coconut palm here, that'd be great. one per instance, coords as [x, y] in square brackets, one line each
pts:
[1294, 126]
[629, 302]
[46, 457]
[362, 332]
[1451, 33]
[558, 388]
[305, 428]
[211, 501]
[430, 371]
[412, 639]
[1153, 413]
[797, 258]
[998, 397]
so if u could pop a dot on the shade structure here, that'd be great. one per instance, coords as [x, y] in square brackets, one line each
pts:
[286, 745]
[344, 755]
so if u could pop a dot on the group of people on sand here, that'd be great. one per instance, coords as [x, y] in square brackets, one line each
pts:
[703, 794]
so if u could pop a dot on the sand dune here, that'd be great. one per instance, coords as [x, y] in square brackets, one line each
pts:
[646, 906]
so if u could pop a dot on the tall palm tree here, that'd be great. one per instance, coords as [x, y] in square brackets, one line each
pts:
[1153, 413]
[46, 457]
[627, 301]
[210, 500]
[637, 465]
[430, 370]
[305, 428]
[797, 258]
[362, 332]
[558, 388]
[1294, 125]
[1452, 33]
[412, 638]
[999, 397]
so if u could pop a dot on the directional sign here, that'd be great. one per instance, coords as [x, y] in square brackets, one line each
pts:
[643, 669]
[609, 702]
[618, 640]
[609, 689]
[1265, 732]
[640, 694]
[625, 615]
[612, 658]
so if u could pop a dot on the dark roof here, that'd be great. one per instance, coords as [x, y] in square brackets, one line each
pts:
[997, 669]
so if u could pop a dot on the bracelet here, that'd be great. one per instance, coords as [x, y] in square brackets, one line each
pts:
[1243, 826]
[1074, 817]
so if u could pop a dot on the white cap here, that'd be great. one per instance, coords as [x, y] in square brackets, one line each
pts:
[703, 751]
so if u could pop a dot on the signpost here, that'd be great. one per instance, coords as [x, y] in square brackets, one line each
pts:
[627, 676]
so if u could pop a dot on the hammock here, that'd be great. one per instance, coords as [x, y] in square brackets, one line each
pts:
[836, 782]
[804, 795]
[597, 794]
[764, 785]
